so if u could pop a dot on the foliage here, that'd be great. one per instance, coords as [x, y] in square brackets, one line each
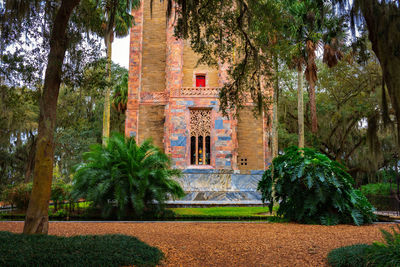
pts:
[120, 94]
[79, 115]
[381, 189]
[311, 188]
[348, 256]
[347, 96]
[18, 195]
[126, 176]
[90, 250]
[378, 254]
[386, 253]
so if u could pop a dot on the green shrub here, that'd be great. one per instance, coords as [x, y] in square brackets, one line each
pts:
[94, 250]
[311, 188]
[379, 189]
[386, 253]
[61, 192]
[349, 256]
[125, 177]
[18, 195]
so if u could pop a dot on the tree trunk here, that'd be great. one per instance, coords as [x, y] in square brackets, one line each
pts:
[106, 113]
[383, 22]
[313, 108]
[311, 77]
[300, 106]
[36, 220]
[275, 122]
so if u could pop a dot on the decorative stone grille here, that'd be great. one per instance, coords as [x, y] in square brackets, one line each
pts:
[200, 122]
[200, 91]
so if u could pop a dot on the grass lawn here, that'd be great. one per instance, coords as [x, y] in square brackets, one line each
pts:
[86, 250]
[233, 213]
[212, 213]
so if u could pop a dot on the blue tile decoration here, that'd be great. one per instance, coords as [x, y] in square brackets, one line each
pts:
[224, 138]
[219, 124]
[180, 142]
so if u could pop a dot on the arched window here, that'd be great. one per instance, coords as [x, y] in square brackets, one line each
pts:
[200, 136]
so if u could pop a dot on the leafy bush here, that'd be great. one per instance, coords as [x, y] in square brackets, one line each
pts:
[126, 176]
[18, 195]
[379, 189]
[386, 253]
[61, 192]
[94, 250]
[377, 254]
[311, 188]
[348, 256]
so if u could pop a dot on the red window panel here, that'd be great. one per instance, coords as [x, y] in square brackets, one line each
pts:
[200, 81]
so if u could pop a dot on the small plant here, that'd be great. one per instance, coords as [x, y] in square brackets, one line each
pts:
[348, 256]
[311, 188]
[126, 178]
[386, 253]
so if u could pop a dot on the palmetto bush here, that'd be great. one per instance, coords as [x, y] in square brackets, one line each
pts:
[311, 188]
[126, 178]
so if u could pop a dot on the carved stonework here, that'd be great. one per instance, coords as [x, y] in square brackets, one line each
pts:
[200, 122]
[154, 97]
[200, 91]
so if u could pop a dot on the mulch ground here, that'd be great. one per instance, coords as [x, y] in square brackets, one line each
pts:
[229, 244]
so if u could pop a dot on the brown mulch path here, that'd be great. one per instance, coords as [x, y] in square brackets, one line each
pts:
[229, 244]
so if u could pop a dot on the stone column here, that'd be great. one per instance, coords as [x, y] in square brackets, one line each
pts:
[135, 74]
[173, 83]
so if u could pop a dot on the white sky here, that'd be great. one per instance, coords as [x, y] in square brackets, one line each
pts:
[120, 51]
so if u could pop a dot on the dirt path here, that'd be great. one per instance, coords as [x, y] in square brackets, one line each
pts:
[229, 244]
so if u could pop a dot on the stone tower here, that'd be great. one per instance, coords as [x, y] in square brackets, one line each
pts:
[175, 102]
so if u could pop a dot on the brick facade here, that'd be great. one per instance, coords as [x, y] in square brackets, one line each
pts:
[162, 92]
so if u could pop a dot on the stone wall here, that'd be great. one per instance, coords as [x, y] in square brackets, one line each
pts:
[151, 123]
[220, 185]
[221, 132]
[190, 69]
[154, 45]
[160, 66]
[250, 140]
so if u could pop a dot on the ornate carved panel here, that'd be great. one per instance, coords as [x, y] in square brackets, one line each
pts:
[154, 97]
[200, 91]
[200, 122]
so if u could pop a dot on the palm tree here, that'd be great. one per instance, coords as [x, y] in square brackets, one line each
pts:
[116, 22]
[120, 94]
[127, 176]
[312, 28]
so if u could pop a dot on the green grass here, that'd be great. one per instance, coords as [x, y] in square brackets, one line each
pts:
[378, 189]
[223, 213]
[213, 213]
[100, 250]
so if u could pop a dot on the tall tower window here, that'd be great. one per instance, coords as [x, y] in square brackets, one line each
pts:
[200, 80]
[200, 136]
